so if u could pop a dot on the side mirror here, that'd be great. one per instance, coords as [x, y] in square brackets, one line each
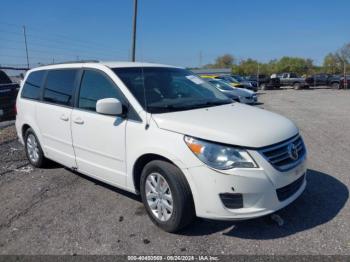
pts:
[109, 106]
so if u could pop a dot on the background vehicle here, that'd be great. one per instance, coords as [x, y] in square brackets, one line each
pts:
[241, 95]
[291, 79]
[265, 82]
[323, 80]
[8, 94]
[244, 81]
[209, 76]
[233, 80]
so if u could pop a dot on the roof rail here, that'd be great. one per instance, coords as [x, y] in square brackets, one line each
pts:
[73, 62]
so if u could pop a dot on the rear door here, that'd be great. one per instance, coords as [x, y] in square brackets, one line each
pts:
[54, 115]
[99, 140]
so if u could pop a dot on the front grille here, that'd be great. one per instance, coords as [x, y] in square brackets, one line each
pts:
[286, 155]
[287, 191]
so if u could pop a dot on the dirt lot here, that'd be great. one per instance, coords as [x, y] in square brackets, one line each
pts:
[56, 211]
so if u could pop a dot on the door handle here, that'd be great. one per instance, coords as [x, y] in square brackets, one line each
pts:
[78, 120]
[64, 117]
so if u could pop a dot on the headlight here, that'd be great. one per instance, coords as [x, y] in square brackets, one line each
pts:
[219, 156]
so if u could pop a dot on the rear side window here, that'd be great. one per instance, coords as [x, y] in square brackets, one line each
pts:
[59, 86]
[32, 86]
[95, 86]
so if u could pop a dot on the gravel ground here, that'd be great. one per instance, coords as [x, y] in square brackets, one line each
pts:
[56, 211]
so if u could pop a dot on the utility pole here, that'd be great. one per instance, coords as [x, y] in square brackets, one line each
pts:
[133, 44]
[257, 75]
[25, 42]
[200, 59]
[345, 80]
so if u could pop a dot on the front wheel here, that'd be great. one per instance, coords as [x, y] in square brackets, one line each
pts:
[166, 196]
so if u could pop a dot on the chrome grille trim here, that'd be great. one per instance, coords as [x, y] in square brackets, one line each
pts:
[278, 156]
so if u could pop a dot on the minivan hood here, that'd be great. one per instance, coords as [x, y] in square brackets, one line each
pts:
[234, 124]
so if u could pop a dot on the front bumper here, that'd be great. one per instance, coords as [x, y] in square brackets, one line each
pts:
[257, 186]
[249, 100]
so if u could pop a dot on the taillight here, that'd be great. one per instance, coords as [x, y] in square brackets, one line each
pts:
[15, 108]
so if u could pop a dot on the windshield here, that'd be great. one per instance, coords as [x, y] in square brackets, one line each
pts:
[162, 89]
[221, 85]
[238, 78]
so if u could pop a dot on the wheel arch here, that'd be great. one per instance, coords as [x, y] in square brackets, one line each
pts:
[141, 162]
[24, 129]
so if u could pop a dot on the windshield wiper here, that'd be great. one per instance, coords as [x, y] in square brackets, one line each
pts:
[211, 103]
[179, 107]
[160, 109]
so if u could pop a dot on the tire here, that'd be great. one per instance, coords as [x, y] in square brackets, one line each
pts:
[335, 85]
[183, 212]
[33, 149]
[297, 86]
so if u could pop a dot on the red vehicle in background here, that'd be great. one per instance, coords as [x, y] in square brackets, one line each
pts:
[345, 82]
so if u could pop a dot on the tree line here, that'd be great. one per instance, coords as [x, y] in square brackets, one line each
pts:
[333, 63]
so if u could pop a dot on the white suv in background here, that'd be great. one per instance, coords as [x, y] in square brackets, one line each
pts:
[164, 133]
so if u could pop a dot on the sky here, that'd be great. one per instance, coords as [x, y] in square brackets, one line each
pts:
[178, 32]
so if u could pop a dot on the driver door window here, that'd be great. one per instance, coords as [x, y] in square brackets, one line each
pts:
[95, 86]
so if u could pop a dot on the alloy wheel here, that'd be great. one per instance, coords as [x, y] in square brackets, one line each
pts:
[32, 148]
[159, 196]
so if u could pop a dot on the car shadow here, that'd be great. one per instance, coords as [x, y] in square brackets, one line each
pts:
[50, 164]
[319, 87]
[107, 186]
[321, 201]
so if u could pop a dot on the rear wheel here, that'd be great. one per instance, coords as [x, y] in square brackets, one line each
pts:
[33, 149]
[166, 196]
[335, 85]
[297, 86]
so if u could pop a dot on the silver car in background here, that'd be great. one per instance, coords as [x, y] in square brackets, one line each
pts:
[241, 95]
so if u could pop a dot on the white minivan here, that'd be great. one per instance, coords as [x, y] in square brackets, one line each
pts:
[162, 132]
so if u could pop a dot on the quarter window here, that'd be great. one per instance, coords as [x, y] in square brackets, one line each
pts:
[95, 86]
[32, 86]
[59, 86]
